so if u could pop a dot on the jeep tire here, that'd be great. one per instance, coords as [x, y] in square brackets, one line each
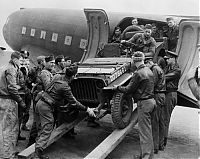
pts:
[121, 109]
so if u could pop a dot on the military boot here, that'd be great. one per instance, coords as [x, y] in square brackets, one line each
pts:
[39, 154]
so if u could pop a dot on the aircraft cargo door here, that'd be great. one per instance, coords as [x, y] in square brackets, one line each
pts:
[188, 51]
[98, 25]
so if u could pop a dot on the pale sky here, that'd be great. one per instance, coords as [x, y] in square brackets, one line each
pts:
[177, 7]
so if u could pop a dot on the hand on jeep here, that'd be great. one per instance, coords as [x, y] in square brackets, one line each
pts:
[114, 88]
[90, 111]
[123, 41]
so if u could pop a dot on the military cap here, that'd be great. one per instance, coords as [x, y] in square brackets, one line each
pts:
[148, 26]
[24, 53]
[40, 58]
[170, 54]
[71, 70]
[15, 54]
[138, 56]
[169, 18]
[49, 58]
[59, 58]
[148, 58]
[67, 58]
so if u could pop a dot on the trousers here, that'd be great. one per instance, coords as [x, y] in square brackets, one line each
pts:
[158, 121]
[145, 108]
[44, 122]
[8, 127]
[170, 103]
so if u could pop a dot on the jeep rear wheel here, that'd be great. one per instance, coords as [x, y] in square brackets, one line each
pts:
[121, 110]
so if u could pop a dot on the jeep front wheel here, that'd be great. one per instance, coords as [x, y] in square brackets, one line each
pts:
[121, 110]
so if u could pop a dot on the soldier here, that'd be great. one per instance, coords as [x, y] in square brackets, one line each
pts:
[156, 34]
[172, 75]
[68, 61]
[42, 77]
[158, 113]
[46, 76]
[59, 64]
[27, 96]
[133, 27]
[117, 37]
[10, 101]
[144, 42]
[22, 92]
[172, 34]
[56, 92]
[141, 86]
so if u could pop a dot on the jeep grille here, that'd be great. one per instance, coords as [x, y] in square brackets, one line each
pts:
[85, 90]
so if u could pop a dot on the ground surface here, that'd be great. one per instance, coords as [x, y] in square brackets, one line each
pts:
[183, 140]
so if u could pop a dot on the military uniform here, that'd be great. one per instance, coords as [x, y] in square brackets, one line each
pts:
[141, 87]
[145, 45]
[56, 92]
[9, 99]
[172, 75]
[58, 70]
[42, 79]
[158, 115]
[172, 35]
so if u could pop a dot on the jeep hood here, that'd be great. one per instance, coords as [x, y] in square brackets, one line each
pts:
[98, 26]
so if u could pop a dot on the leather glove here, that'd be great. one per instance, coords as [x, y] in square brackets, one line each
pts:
[22, 105]
[90, 111]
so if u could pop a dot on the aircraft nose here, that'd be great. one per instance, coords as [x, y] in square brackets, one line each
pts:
[5, 30]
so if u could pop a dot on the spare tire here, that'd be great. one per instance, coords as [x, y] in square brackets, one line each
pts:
[121, 109]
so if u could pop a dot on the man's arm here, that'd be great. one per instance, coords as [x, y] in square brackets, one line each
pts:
[132, 86]
[11, 79]
[176, 73]
[152, 49]
[66, 91]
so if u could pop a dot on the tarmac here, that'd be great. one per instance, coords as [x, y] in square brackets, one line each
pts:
[183, 142]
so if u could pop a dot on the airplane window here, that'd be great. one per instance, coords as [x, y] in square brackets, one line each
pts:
[23, 30]
[68, 40]
[32, 32]
[83, 43]
[54, 37]
[43, 34]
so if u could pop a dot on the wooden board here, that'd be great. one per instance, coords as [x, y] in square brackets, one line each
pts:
[55, 135]
[103, 149]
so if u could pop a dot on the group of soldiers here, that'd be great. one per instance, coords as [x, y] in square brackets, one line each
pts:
[144, 39]
[155, 92]
[153, 87]
[47, 86]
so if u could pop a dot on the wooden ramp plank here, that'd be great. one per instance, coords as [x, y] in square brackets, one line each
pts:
[103, 149]
[55, 135]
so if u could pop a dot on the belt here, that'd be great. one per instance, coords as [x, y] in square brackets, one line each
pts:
[6, 97]
[159, 92]
[168, 91]
[146, 98]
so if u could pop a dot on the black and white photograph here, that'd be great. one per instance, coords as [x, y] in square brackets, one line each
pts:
[100, 79]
